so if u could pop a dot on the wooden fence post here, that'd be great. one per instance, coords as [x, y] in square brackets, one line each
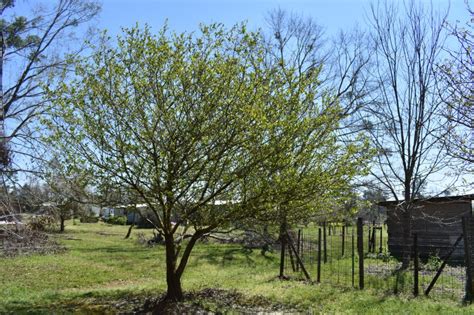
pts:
[416, 266]
[318, 277]
[468, 259]
[360, 249]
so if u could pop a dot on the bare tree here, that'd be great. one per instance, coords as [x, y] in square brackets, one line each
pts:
[299, 43]
[32, 49]
[458, 74]
[342, 62]
[405, 120]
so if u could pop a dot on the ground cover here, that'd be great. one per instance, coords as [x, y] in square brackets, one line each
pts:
[101, 272]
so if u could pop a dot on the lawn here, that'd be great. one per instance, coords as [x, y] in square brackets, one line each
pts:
[101, 272]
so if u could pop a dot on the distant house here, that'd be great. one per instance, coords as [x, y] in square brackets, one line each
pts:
[437, 222]
[142, 216]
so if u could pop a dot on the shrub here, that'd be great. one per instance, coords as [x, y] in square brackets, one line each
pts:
[89, 219]
[433, 262]
[118, 220]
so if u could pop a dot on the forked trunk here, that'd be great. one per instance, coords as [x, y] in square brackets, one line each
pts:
[174, 292]
[173, 278]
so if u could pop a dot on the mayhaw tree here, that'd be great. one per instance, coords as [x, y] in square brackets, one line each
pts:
[190, 123]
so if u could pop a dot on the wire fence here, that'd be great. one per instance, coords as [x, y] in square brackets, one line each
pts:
[329, 253]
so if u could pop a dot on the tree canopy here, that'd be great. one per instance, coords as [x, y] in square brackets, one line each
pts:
[201, 129]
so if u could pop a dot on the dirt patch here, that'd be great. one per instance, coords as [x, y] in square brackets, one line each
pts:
[215, 301]
[206, 301]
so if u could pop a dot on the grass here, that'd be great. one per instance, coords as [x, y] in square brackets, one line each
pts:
[101, 269]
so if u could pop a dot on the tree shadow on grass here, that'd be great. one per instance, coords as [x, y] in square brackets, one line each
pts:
[225, 257]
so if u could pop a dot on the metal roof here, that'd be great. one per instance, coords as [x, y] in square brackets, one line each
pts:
[444, 199]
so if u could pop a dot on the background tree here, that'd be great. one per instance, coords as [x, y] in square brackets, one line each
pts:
[67, 193]
[406, 121]
[34, 48]
[316, 170]
[458, 75]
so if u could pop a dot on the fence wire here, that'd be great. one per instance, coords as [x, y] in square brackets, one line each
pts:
[338, 261]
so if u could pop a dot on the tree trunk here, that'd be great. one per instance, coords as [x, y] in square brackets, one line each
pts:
[406, 220]
[129, 231]
[61, 226]
[173, 278]
[283, 243]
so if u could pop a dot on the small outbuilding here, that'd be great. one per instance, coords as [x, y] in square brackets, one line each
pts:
[437, 222]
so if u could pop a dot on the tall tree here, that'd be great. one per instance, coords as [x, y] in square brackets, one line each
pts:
[324, 159]
[458, 74]
[33, 48]
[405, 120]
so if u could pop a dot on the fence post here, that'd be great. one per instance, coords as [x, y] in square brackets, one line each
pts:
[343, 237]
[416, 266]
[368, 238]
[374, 238]
[298, 248]
[298, 259]
[324, 243]
[318, 277]
[353, 257]
[468, 259]
[445, 261]
[292, 261]
[360, 249]
[282, 255]
[381, 240]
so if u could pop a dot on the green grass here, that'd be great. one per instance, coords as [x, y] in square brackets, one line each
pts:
[100, 266]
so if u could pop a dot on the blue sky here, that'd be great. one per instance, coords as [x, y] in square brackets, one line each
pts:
[185, 15]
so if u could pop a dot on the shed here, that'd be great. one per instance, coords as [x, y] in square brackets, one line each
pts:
[437, 222]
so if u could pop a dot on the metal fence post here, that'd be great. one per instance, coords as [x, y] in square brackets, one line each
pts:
[343, 239]
[360, 249]
[468, 259]
[324, 243]
[318, 277]
[416, 266]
